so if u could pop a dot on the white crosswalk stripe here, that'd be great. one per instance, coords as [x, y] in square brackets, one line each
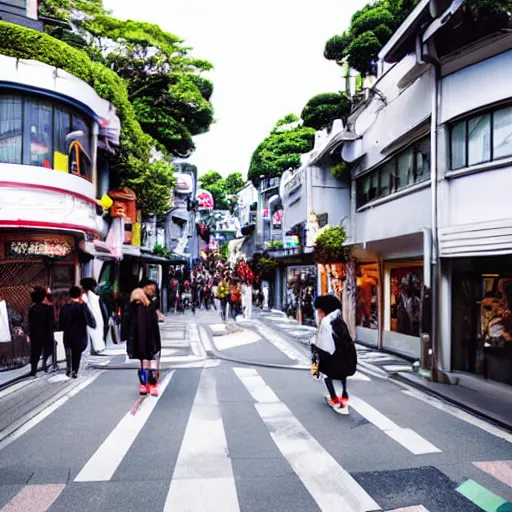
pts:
[203, 478]
[109, 455]
[330, 485]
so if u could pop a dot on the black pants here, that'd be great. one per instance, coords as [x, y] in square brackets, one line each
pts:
[330, 387]
[73, 357]
[38, 348]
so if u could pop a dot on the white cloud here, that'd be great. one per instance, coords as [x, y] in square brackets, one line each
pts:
[268, 59]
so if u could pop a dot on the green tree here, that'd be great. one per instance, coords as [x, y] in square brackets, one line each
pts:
[164, 82]
[234, 182]
[321, 110]
[280, 151]
[213, 182]
[370, 29]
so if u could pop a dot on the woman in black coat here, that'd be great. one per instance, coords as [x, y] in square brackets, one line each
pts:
[74, 319]
[142, 335]
[41, 324]
[333, 353]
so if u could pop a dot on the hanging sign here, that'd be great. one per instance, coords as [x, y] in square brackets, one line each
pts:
[49, 248]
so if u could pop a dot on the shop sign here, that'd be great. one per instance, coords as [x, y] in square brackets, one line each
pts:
[37, 248]
[291, 241]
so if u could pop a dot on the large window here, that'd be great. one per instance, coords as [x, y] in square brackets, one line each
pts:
[481, 138]
[406, 285]
[409, 167]
[44, 134]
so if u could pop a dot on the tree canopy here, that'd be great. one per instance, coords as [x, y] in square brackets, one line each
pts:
[281, 149]
[222, 188]
[370, 29]
[321, 110]
[165, 83]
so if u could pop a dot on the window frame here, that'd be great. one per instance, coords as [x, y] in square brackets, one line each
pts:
[30, 100]
[466, 121]
[363, 199]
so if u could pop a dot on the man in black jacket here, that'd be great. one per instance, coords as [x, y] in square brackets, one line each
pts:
[74, 319]
[41, 324]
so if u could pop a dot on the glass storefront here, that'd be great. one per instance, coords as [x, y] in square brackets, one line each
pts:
[301, 291]
[43, 133]
[367, 313]
[405, 299]
[482, 317]
[331, 279]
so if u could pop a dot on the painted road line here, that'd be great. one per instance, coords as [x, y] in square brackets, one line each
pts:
[237, 339]
[329, 484]
[418, 508]
[501, 470]
[34, 498]
[360, 376]
[203, 477]
[480, 496]
[407, 437]
[195, 342]
[103, 464]
[454, 411]
[15, 387]
[372, 370]
[205, 340]
[47, 411]
[281, 344]
[397, 368]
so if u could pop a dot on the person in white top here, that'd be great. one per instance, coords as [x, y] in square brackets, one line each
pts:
[248, 301]
[97, 335]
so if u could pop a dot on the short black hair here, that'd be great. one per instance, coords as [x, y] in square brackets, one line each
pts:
[75, 292]
[38, 295]
[88, 283]
[147, 282]
[327, 303]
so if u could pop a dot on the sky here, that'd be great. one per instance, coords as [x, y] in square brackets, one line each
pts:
[268, 58]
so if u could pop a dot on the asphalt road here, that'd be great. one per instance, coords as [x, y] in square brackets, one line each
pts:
[226, 436]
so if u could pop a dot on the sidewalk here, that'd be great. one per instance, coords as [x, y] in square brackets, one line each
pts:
[487, 399]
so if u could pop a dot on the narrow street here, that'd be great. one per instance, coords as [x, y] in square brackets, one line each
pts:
[224, 435]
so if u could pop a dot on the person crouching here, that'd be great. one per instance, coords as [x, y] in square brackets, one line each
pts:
[334, 354]
[74, 318]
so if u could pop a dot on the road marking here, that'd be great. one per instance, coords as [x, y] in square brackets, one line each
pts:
[397, 368]
[480, 496]
[407, 437]
[203, 477]
[459, 414]
[34, 498]
[419, 508]
[328, 483]
[15, 387]
[237, 339]
[47, 411]
[205, 340]
[501, 470]
[103, 464]
[281, 344]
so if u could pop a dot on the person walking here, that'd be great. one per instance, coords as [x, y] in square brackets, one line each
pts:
[74, 319]
[334, 354]
[142, 333]
[96, 335]
[41, 325]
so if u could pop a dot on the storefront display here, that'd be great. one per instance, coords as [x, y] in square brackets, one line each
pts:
[406, 285]
[301, 291]
[368, 297]
[331, 279]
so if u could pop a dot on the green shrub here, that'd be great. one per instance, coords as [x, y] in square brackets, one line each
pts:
[329, 245]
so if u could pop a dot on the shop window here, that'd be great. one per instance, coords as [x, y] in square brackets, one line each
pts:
[502, 133]
[38, 119]
[63, 277]
[10, 129]
[479, 139]
[367, 314]
[405, 300]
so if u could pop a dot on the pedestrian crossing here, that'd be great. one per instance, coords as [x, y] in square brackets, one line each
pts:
[206, 473]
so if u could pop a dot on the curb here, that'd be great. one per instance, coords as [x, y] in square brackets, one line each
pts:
[432, 392]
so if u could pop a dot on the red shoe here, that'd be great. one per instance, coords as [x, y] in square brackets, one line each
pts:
[344, 401]
[143, 389]
[333, 402]
[154, 389]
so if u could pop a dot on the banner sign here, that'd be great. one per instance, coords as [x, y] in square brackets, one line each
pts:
[27, 249]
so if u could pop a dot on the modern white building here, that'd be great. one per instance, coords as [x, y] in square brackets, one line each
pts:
[431, 171]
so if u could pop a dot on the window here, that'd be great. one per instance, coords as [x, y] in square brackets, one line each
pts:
[502, 133]
[479, 139]
[38, 119]
[42, 134]
[482, 138]
[10, 129]
[408, 168]
[405, 299]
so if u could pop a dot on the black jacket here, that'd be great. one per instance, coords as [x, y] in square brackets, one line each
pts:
[41, 324]
[74, 319]
[343, 362]
[141, 331]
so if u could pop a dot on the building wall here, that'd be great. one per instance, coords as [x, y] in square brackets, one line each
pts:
[329, 196]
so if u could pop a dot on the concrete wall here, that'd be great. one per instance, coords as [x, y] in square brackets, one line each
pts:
[329, 196]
